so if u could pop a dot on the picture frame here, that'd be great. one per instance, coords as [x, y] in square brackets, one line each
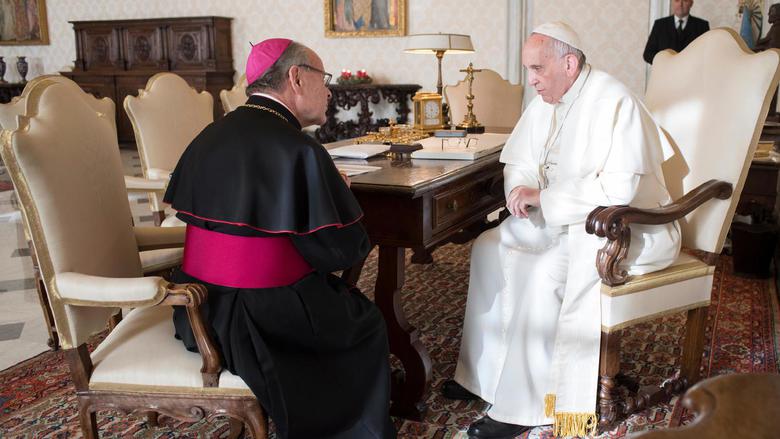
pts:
[365, 18]
[31, 30]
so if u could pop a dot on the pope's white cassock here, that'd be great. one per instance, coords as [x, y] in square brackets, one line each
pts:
[532, 326]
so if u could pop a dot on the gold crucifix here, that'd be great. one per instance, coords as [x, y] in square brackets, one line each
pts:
[470, 123]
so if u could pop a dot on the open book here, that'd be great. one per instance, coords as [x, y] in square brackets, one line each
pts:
[470, 147]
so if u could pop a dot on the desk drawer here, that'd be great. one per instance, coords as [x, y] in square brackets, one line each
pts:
[453, 205]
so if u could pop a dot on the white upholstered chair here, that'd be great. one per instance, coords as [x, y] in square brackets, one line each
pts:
[166, 116]
[497, 102]
[152, 261]
[235, 97]
[711, 100]
[64, 161]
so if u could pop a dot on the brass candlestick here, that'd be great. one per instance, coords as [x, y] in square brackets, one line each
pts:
[470, 123]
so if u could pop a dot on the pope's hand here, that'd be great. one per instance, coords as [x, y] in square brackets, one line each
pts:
[520, 199]
[346, 179]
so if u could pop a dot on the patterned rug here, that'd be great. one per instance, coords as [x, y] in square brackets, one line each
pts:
[37, 399]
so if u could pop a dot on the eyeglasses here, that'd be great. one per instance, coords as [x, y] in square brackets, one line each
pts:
[326, 76]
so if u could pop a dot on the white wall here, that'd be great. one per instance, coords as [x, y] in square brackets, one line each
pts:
[302, 20]
[613, 33]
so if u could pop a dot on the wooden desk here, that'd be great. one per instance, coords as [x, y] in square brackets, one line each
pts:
[418, 204]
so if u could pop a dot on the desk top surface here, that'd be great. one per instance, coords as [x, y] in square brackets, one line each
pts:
[414, 176]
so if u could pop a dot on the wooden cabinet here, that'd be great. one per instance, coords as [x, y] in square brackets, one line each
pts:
[115, 58]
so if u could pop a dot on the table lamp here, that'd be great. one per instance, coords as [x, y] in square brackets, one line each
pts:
[438, 44]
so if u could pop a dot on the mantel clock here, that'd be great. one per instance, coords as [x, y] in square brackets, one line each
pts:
[428, 114]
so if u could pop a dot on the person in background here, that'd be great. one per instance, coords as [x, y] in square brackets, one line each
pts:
[675, 31]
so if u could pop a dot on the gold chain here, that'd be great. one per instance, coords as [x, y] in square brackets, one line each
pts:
[270, 110]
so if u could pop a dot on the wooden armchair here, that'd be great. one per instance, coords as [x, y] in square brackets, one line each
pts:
[64, 161]
[235, 97]
[497, 102]
[711, 100]
[166, 116]
[152, 261]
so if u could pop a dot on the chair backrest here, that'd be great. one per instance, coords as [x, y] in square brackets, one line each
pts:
[497, 102]
[65, 165]
[11, 111]
[166, 116]
[235, 97]
[711, 99]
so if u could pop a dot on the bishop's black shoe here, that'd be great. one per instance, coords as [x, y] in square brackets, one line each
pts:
[487, 428]
[452, 390]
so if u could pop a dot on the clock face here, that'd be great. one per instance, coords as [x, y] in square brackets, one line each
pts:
[432, 112]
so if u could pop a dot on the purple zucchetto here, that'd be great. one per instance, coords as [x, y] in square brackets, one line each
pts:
[263, 55]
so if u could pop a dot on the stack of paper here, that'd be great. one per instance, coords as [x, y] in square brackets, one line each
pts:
[359, 151]
[353, 169]
[470, 147]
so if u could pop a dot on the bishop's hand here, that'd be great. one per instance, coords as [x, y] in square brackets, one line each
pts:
[345, 178]
[521, 199]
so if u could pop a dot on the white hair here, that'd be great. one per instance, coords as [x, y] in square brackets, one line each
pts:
[562, 49]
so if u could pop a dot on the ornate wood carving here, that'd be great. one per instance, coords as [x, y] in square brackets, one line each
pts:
[349, 96]
[115, 58]
[613, 223]
[192, 296]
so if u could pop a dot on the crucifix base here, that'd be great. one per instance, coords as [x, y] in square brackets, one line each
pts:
[478, 129]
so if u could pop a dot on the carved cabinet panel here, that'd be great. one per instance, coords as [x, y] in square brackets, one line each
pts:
[189, 47]
[100, 49]
[115, 58]
[144, 48]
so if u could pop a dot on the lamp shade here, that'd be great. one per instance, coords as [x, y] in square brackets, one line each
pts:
[429, 43]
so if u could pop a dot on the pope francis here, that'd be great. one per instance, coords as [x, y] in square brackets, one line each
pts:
[530, 342]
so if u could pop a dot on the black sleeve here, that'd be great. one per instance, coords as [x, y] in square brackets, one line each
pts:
[333, 248]
[651, 48]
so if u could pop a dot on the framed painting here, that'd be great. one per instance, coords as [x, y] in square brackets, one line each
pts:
[364, 18]
[23, 22]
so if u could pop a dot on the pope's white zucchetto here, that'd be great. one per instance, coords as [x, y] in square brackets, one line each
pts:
[561, 32]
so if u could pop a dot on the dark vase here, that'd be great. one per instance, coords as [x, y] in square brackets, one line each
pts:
[21, 67]
[2, 70]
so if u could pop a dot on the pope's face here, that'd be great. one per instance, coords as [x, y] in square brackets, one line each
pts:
[547, 72]
[681, 8]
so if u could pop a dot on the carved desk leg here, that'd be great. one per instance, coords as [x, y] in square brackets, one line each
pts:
[404, 338]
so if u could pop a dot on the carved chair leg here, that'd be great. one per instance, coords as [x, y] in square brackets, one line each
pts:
[693, 345]
[88, 420]
[151, 419]
[257, 422]
[236, 428]
[609, 368]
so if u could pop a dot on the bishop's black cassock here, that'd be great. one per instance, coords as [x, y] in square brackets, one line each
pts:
[268, 219]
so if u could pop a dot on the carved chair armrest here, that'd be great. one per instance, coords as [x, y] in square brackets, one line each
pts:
[127, 292]
[85, 290]
[192, 296]
[613, 223]
[140, 184]
[153, 238]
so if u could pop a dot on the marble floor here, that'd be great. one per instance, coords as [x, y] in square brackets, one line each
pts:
[23, 332]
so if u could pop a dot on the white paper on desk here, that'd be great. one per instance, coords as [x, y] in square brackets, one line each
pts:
[455, 148]
[352, 169]
[359, 151]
